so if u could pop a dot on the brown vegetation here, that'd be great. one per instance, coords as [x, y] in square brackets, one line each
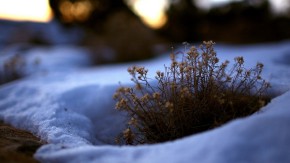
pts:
[17, 145]
[196, 93]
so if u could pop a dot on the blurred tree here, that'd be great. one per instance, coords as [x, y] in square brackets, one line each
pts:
[182, 18]
[111, 26]
[240, 22]
[245, 21]
[89, 12]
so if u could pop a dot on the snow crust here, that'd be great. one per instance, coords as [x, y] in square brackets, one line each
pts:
[73, 111]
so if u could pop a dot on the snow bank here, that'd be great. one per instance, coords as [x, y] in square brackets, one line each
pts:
[74, 113]
[42, 60]
[260, 138]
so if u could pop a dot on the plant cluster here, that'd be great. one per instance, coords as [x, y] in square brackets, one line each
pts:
[194, 94]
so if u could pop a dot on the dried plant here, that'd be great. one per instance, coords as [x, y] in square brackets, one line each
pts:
[11, 69]
[194, 94]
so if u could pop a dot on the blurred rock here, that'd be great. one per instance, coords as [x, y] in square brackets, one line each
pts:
[17, 145]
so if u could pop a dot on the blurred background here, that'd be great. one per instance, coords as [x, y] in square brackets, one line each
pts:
[129, 30]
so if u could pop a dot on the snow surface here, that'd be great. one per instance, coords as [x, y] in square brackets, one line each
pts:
[45, 59]
[50, 32]
[73, 111]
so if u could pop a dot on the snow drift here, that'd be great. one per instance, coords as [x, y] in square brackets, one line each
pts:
[73, 111]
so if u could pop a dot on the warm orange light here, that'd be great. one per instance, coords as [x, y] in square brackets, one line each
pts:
[79, 10]
[25, 10]
[152, 12]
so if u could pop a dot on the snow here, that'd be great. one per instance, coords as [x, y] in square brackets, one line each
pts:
[44, 59]
[50, 32]
[73, 111]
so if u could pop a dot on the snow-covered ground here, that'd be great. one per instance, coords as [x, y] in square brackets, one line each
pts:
[73, 111]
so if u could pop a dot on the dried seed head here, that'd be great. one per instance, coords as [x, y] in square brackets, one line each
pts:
[156, 95]
[208, 44]
[141, 70]
[168, 105]
[116, 95]
[160, 74]
[122, 103]
[133, 121]
[260, 65]
[193, 53]
[145, 98]
[228, 79]
[173, 64]
[122, 89]
[239, 60]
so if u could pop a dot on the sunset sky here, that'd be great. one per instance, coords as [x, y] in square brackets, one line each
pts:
[25, 10]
